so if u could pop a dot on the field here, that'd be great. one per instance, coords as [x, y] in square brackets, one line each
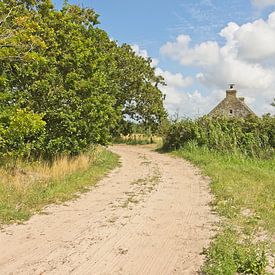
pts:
[138, 139]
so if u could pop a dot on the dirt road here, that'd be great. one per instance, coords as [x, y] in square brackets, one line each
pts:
[149, 216]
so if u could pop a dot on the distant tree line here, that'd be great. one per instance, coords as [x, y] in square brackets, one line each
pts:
[64, 84]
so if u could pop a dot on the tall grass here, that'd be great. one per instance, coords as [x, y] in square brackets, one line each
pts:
[27, 187]
[251, 136]
[22, 173]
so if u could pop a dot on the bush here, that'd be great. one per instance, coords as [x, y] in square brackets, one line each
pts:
[252, 136]
[22, 134]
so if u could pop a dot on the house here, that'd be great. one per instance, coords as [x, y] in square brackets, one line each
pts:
[232, 106]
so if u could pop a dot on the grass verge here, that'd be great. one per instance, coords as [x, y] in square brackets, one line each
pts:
[244, 190]
[63, 181]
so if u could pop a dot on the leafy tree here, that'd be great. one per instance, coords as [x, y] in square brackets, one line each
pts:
[138, 93]
[62, 67]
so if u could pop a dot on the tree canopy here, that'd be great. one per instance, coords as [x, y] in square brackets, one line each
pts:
[64, 84]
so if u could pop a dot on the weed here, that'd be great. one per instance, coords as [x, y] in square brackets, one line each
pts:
[228, 256]
[251, 136]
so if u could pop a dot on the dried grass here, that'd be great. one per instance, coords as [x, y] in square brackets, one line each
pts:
[139, 139]
[22, 175]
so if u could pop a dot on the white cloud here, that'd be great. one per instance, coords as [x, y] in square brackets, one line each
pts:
[175, 80]
[144, 53]
[263, 3]
[177, 99]
[247, 58]
[252, 41]
[203, 54]
[190, 104]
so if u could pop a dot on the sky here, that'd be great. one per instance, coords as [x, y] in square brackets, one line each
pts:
[199, 47]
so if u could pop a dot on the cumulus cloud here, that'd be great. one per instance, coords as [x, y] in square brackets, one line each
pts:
[177, 100]
[181, 102]
[263, 3]
[144, 53]
[247, 58]
[202, 54]
[252, 41]
[175, 80]
[189, 104]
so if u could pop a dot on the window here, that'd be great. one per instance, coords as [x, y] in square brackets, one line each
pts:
[231, 112]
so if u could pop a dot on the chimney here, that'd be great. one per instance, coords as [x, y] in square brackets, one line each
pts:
[231, 92]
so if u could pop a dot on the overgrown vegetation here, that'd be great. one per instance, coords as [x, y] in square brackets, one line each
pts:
[64, 84]
[228, 256]
[238, 155]
[252, 136]
[27, 187]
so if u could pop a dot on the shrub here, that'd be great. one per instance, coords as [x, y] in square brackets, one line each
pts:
[22, 134]
[252, 136]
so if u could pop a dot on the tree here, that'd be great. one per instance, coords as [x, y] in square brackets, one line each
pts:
[62, 67]
[138, 94]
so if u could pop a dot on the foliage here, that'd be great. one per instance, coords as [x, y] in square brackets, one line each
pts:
[60, 66]
[252, 136]
[22, 133]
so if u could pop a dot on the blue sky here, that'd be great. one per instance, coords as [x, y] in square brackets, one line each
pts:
[178, 30]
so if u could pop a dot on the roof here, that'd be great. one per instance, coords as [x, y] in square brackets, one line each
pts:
[231, 101]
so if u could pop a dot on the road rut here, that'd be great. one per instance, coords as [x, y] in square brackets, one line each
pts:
[149, 216]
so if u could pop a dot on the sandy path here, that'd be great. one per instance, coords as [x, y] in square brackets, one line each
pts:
[150, 216]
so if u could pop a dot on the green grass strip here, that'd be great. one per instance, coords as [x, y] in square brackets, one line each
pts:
[244, 191]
